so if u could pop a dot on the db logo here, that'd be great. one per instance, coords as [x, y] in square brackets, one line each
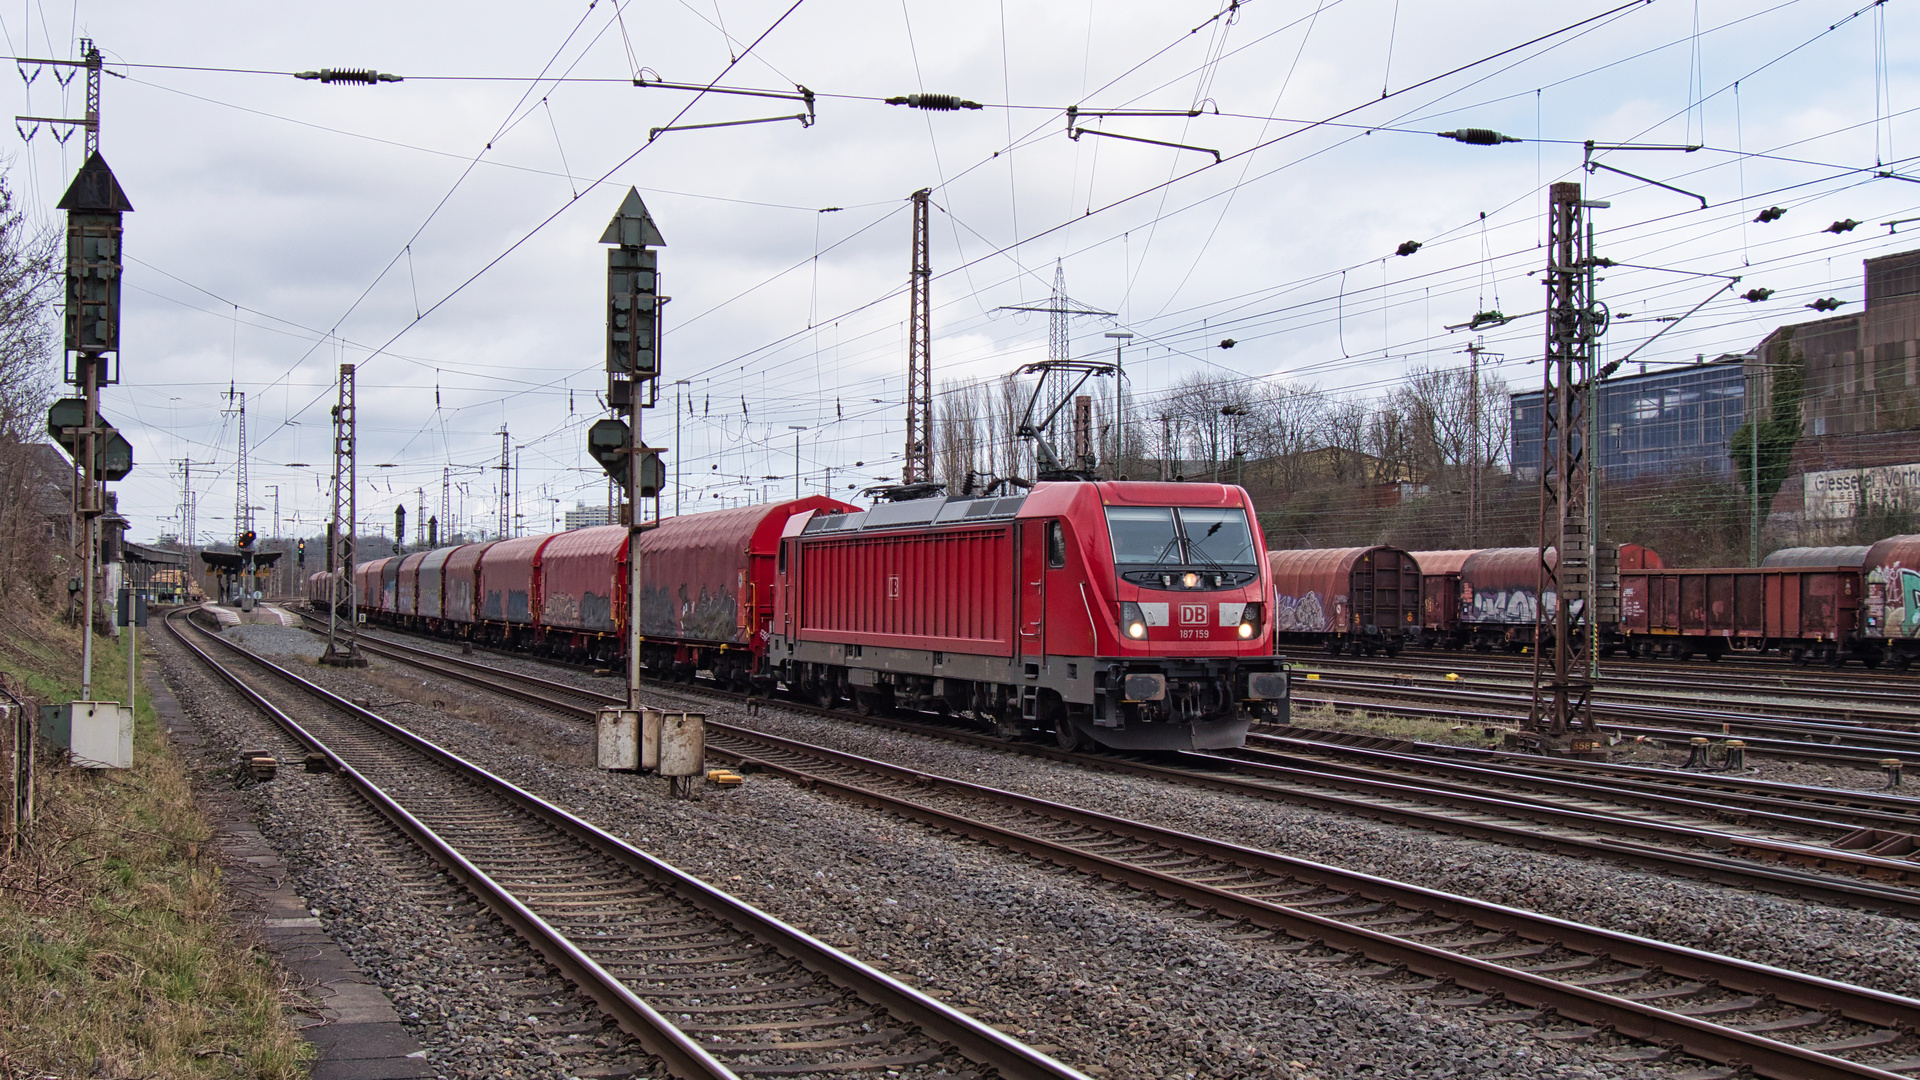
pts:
[1193, 614]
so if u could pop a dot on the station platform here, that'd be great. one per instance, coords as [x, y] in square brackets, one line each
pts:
[269, 614]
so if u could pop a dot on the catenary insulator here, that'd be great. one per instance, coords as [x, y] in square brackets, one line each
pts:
[1478, 136]
[934, 102]
[363, 76]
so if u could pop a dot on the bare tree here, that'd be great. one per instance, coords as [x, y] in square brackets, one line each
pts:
[29, 475]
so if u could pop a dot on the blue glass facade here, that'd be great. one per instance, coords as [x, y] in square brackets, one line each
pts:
[1663, 423]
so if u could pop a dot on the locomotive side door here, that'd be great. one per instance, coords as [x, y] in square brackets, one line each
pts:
[1033, 590]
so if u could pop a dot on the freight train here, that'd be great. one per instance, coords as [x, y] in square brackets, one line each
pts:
[1125, 614]
[1830, 604]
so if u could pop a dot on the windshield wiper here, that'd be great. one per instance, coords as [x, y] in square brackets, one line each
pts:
[1199, 553]
[1172, 543]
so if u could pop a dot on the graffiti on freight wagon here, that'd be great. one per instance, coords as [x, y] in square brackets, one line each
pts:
[1893, 601]
[1299, 614]
[1512, 607]
[713, 616]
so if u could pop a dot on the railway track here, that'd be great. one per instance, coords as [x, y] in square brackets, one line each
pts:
[1836, 811]
[1836, 742]
[713, 987]
[1842, 704]
[1459, 951]
[1693, 848]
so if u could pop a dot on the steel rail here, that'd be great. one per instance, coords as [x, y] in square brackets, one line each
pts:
[1799, 681]
[1784, 804]
[1706, 866]
[1725, 871]
[1636, 1019]
[977, 1042]
[1859, 748]
[1730, 662]
[1897, 737]
[683, 1057]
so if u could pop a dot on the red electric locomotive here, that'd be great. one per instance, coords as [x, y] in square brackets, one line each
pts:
[1127, 614]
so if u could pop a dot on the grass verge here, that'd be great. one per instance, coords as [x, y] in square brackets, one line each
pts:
[118, 955]
[1411, 728]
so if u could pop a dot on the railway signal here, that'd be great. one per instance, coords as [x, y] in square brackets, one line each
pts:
[633, 373]
[607, 443]
[95, 205]
[112, 454]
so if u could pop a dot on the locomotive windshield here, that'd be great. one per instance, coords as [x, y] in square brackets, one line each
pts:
[1155, 536]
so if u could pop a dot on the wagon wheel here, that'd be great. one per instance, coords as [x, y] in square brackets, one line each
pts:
[1901, 661]
[1066, 735]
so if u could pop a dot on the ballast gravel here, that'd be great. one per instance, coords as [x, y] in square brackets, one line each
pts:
[1839, 943]
[479, 1002]
[1113, 982]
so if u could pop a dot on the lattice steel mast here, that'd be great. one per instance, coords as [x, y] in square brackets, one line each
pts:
[919, 456]
[1561, 719]
[343, 643]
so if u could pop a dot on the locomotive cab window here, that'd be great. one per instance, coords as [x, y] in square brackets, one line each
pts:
[1056, 545]
[782, 568]
[1151, 537]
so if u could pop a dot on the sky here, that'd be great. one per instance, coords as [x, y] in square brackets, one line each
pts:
[440, 233]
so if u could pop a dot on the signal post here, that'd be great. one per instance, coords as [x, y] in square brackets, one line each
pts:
[94, 204]
[633, 373]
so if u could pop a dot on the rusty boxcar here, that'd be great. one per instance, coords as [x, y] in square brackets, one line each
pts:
[1359, 599]
[583, 593]
[462, 586]
[366, 581]
[407, 592]
[1440, 626]
[1806, 612]
[430, 592]
[1849, 555]
[1891, 578]
[708, 594]
[509, 589]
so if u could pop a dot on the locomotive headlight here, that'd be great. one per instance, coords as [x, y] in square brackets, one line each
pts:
[1190, 580]
[1250, 620]
[1133, 621]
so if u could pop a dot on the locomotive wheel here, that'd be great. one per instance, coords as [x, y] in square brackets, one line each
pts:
[824, 695]
[869, 702]
[1008, 724]
[1065, 734]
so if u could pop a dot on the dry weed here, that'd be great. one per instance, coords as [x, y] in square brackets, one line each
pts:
[118, 955]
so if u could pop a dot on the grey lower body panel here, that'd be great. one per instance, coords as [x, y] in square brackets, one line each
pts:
[1235, 689]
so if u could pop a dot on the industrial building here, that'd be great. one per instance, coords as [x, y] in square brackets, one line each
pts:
[1671, 422]
[1859, 442]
